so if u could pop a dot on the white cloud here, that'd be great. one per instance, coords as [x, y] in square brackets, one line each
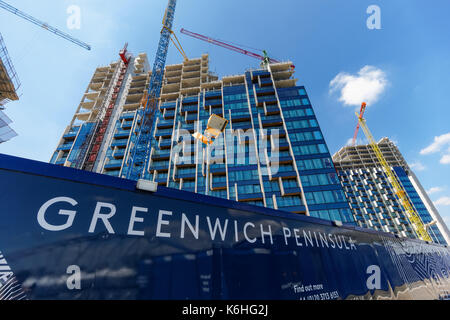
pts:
[438, 143]
[418, 166]
[443, 201]
[366, 86]
[441, 142]
[445, 159]
[434, 190]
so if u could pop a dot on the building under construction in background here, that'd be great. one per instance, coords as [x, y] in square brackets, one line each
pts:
[102, 132]
[9, 84]
[372, 198]
[147, 238]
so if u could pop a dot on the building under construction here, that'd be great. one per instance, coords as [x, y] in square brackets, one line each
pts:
[372, 198]
[9, 84]
[257, 103]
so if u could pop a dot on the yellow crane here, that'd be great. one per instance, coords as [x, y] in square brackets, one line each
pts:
[408, 208]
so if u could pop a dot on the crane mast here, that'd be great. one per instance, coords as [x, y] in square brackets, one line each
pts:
[408, 208]
[139, 155]
[44, 25]
[361, 114]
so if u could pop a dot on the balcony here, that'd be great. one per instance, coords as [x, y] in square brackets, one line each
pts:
[127, 124]
[189, 108]
[165, 144]
[264, 82]
[240, 117]
[271, 109]
[191, 118]
[127, 116]
[61, 161]
[185, 173]
[121, 134]
[71, 134]
[271, 121]
[265, 91]
[218, 185]
[167, 106]
[217, 168]
[65, 147]
[284, 174]
[160, 166]
[213, 94]
[292, 191]
[267, 99]
[159, 155]
[213, 103]
[120, 153]
[120, 143]
[165, 133]
[164, 124]
[294, 209]
[114, 164]
[250, 197]
[169, 114]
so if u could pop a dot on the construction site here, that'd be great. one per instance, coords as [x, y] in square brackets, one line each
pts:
[246, 148]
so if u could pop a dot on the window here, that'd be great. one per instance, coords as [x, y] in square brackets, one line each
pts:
[323, 197]
[290, 183]
[289, 201]
[249, 189]
[271, 186]
[317, 135]
[243, 175]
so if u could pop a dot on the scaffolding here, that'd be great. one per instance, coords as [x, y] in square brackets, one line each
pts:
[9, 81]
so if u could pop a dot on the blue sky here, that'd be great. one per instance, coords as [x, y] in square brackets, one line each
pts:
[322, 37]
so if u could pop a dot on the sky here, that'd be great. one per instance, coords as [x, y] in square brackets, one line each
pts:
[401, 68]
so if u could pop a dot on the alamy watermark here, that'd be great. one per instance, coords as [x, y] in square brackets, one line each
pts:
[237, 146]
[374, 20]
[74, 19]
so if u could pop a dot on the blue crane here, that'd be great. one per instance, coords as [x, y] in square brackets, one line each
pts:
[139, 156]
[44, 25]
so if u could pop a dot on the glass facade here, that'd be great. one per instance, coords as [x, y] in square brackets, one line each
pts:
[375, 205]
[272, 153]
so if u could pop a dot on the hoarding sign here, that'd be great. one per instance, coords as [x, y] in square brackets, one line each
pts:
[65, 234]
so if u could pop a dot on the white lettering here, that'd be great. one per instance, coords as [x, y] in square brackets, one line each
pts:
[71, 214]
[162, 222]
[245, 232]
[287, 234]
[269, 233]
[222, 231]
[184, 222]
[104, 217]
[297, 237]
[135, 219]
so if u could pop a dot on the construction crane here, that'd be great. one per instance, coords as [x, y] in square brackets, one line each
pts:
[139, 155]
[265, 59]
[44, 25]
[361, 114]
[408, 208]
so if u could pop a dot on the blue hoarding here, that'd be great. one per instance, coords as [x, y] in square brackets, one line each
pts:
[70, 234]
